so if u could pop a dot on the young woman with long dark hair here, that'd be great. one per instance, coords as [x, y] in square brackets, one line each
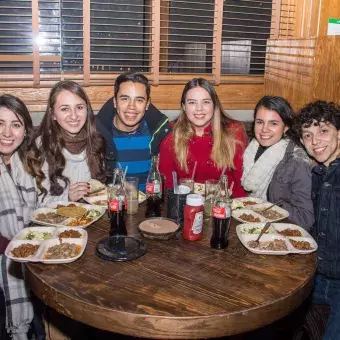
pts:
[67, 150]
[18, 198]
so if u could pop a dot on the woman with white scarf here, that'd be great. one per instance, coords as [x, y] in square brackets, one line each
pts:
[274, 166]
[18, 198]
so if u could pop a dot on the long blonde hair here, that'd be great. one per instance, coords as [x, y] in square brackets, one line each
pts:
[224, 147]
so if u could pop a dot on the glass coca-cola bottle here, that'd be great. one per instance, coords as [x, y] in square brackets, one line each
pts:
[221, 215]
[117, 204]
[153, 190]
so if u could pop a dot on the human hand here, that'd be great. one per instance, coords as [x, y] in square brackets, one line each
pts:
[77, 191]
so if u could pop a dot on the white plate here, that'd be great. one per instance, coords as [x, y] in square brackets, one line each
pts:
[245, 237]
[44, 245]
[34, 214]
[237, 213]
[281, 211]
[53, 205]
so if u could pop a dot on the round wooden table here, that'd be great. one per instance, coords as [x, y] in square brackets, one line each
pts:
[178, 289]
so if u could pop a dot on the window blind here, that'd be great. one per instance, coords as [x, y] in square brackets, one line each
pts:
[92, 41]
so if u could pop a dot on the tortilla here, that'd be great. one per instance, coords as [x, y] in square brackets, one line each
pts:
[71, 211]
[95, 186]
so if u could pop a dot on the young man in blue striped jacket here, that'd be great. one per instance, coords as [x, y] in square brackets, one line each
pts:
[132, 127]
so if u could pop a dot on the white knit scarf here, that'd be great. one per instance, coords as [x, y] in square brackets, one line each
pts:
[258, 175]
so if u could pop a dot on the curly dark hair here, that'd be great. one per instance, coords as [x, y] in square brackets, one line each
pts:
[52, 144]
[20, 110]
[315, 113]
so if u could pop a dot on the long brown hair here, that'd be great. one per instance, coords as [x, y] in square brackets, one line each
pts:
[223, 150]
[20, 110]
[51, 144]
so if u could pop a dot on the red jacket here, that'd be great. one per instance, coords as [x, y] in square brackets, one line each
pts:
[199, 149]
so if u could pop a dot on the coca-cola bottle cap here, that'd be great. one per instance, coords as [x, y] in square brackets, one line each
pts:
[194, 200]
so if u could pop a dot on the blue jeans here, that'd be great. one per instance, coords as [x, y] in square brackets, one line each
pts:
[327, 292]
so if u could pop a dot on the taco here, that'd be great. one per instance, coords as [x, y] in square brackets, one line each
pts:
[95, 186]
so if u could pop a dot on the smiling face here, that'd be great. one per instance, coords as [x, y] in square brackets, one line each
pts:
[269, 127]
[12, 133]
[70, 112]
[131, 103]
[322, 142]
[199, 108]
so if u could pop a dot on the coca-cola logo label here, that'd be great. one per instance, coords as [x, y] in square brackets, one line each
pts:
[221, 212]
[153, 188]
[114, 205]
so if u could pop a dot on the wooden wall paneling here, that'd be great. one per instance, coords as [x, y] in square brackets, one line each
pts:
[326, 82]
[289, 70]
[329, 9]
[165, 97]
[307, 18]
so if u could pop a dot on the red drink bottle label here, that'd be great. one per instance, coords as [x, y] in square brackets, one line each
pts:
[114, 205]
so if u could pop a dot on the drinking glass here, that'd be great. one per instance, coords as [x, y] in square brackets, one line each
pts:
[187, 182]
[211, 186]
[175, 204]
[132, 189]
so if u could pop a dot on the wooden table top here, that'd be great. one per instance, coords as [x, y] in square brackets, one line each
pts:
[178, 290]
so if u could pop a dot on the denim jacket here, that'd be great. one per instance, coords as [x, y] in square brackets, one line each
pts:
[326, 229]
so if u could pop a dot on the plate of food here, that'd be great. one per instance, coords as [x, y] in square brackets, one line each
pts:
[273, 214]
[70, 216]
[63, 245]
[280, 239]
[245, 202]
[248, 216]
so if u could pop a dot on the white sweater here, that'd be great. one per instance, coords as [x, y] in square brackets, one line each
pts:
[76, 170]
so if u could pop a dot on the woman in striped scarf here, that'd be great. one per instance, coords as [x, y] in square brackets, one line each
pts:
[18, 198]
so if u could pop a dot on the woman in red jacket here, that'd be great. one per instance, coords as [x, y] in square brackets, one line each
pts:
[205, 134]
